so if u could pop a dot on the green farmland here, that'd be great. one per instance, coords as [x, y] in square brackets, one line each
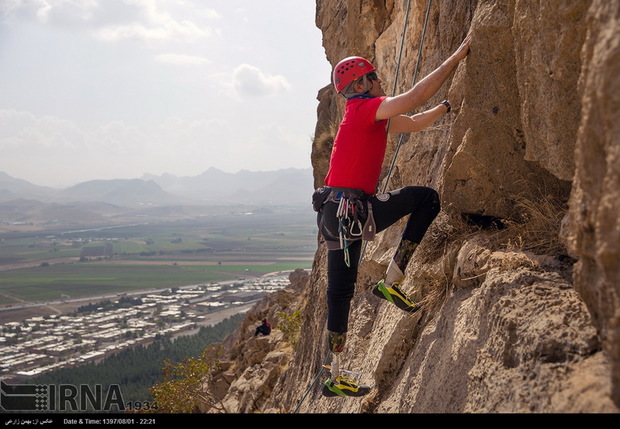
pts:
[57, 264]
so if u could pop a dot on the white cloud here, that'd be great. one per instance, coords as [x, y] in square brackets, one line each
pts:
[250, 81]
[22, 132]
[65, 12]
[180, 59]
[168, 29]
[114, 20]
[152, 22]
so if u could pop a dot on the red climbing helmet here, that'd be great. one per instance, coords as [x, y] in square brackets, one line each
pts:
[349, 69]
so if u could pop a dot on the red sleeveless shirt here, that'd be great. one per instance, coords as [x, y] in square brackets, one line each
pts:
[359, 147]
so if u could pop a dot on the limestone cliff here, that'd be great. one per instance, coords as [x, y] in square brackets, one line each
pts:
[519, 275]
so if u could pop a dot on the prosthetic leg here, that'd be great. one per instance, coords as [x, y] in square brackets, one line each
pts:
[342, 382]
[395, 272]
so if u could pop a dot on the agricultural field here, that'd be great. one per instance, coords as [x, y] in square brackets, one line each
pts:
[59, 265]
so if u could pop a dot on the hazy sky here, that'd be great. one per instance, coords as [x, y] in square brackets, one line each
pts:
[101, 89]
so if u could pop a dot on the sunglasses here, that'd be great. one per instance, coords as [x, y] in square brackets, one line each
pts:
[372, 76]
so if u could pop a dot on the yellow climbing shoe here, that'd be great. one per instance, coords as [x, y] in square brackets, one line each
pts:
[344, 386]
[394, 295]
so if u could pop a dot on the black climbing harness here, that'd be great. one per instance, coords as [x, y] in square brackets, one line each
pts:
[354, 216]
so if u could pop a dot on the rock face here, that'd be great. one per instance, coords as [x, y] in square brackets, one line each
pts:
[519, 274]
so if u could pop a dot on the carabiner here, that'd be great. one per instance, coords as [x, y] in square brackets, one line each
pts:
[360, 229]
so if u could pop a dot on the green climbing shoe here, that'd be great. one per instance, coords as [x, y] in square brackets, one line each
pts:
[344, 386]
[395, 296]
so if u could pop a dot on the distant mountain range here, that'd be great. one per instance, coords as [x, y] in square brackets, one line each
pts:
[288, 186]
[20, 199]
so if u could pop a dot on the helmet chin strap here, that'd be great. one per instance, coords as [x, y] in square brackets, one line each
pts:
[366, 89]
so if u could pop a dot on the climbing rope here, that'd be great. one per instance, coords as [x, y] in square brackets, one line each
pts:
[316, 378]
[415, 77]
[402, 45]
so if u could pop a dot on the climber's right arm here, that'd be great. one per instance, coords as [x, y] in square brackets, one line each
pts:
[424, 89]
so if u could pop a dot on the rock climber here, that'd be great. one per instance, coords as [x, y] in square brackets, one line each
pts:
[349, 209]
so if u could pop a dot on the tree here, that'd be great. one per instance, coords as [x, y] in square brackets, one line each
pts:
[290, 326]
[186, 384]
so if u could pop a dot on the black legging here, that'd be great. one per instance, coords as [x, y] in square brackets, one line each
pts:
[420, 202]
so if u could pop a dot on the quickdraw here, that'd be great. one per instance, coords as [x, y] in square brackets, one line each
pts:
[350, 226]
